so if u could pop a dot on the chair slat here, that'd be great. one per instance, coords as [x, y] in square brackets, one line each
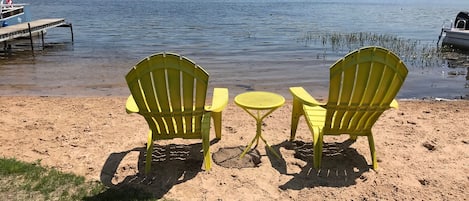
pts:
[188, 96]
[174, 90]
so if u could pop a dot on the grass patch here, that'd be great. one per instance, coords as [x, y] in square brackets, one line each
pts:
[29, 181]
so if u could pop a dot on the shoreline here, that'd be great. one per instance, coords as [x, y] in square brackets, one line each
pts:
[421, 149]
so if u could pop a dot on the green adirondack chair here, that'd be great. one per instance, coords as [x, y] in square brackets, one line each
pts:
[363, 85]
[169, 91]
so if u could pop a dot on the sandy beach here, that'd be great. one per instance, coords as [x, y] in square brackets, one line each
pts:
[422, 150]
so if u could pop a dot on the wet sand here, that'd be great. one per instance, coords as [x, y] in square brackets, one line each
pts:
[56, 75]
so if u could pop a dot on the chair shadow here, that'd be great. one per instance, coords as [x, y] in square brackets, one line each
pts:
[341, 165]
[171, 165]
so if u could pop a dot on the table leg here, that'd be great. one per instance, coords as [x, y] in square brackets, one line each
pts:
[256, 138]
[249, 146]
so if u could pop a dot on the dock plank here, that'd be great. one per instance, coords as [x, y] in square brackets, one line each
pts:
[21, 30]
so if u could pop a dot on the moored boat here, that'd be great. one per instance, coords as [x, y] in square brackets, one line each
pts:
[457, 35]
[12, 14]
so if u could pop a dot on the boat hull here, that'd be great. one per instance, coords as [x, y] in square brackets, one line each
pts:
[15, 15]
[456, 38]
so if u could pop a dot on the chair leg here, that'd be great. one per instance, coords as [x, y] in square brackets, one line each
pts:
[149, 152]
[206, 149]
[371, 143]
[206, 139]
[318, 150]
[297, 111]
[216, 116]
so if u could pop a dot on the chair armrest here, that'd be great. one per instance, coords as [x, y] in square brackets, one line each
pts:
[394, 104]
[299, 93]
[131, 106]
[219, 100]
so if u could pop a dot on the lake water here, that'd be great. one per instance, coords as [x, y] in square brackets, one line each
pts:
[244, 44]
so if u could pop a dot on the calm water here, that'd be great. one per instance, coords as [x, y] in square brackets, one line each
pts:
[243, 44]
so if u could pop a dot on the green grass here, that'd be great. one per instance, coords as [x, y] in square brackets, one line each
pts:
[29, 181]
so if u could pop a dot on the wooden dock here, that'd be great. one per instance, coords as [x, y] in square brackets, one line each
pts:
[29, 29]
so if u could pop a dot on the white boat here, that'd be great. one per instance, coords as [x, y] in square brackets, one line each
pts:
[12, 14]
[457, 35]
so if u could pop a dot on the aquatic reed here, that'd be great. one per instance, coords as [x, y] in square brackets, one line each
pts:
[413, 52]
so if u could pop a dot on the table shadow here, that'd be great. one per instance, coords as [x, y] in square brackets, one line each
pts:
[229, 157]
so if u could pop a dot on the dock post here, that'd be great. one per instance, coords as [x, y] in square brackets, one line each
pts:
[71, 31]
[42, 37]
[31, 38]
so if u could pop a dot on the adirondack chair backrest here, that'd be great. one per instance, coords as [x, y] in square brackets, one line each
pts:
[362, 86]
[170, 92]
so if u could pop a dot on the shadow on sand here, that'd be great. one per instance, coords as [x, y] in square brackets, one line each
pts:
[175, 164]
[341, 165]
[171, 165]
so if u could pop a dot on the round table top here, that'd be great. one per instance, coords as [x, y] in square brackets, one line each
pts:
[259, 100]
